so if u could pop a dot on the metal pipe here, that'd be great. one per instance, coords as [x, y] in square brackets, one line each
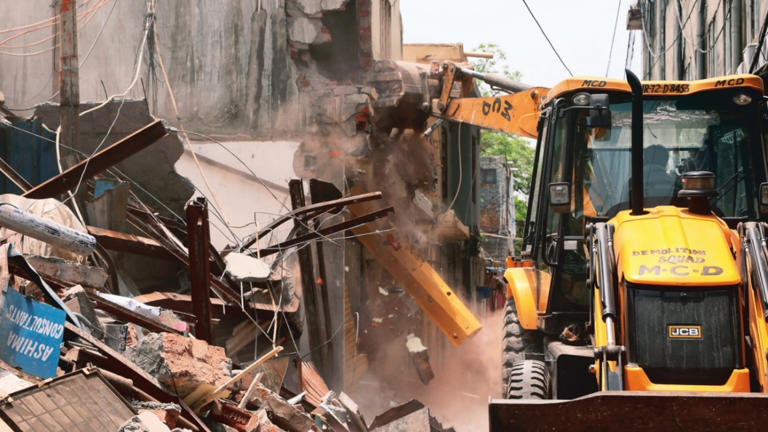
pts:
[736, 45]
[610, 332]
[636, 198]
[754, 242]
[46, 230]
[605, 263]
[701, 37]
[495, 80]
[680, 61]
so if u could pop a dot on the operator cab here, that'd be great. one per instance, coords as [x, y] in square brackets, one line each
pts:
[582, 170]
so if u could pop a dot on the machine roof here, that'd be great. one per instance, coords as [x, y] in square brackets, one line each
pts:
[590, 83]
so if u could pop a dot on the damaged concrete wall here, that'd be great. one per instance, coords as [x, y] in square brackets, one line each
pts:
[248, 202]
[236, 65]
[226, 60]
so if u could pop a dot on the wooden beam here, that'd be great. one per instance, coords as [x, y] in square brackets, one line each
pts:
[14, 176]
[122, 242]
[315, 322]
[198, 239]
[99, 162]
[130, 316]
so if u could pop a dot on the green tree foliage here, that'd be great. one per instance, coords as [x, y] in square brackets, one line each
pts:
[519, 151]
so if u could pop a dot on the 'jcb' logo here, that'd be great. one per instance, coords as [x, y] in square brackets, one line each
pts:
[684, 332]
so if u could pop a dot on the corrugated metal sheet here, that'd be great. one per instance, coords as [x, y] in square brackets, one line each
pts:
[82, 401]
[31, 156]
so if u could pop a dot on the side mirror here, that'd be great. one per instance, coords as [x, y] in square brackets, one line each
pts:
[560, 197]
[763, 197]
[599, 114]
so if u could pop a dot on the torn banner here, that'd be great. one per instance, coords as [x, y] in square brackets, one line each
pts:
[30, 334]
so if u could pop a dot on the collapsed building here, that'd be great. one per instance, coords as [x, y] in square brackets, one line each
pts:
[335, 227]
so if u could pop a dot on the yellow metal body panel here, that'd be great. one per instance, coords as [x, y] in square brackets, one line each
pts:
[636, 379]
[758, 330]
[521, 285]
[514, 113]
[543, 285]
[653, 88]
[672, 246]
[419, 279]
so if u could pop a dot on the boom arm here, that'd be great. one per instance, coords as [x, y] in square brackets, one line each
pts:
[515, 113]
[409, 93]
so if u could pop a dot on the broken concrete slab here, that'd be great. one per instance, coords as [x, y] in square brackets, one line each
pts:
[180, 364]
[281, 413]
[67, 272]
[245, 268]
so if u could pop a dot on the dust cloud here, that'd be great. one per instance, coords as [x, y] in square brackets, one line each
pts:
[465, 378]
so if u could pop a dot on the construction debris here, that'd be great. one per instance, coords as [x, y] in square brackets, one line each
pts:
[186, 314]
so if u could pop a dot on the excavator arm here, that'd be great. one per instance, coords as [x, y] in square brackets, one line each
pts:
[516, 112]
[409, 93]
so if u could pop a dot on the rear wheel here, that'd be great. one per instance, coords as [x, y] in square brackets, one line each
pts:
[517, 342]
[528, 379]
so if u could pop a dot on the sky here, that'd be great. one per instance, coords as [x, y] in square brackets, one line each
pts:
[580, 30]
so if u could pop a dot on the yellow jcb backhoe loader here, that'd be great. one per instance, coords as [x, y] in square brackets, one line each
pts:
[639, 302]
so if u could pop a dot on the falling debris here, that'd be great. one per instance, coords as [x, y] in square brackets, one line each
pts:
[420, 357]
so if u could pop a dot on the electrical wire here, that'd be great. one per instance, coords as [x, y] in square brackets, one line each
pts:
[258, 179]
[178, 115]
[83, 14]
[630, 50]
[458, 186]
[82, 62]
[138, 60]
[547, 37]
[613, 38]
[88, 15]
[26, 26]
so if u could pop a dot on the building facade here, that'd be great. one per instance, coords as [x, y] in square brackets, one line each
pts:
[695, 39]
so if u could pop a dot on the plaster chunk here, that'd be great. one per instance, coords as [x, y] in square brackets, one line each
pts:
[304, 30]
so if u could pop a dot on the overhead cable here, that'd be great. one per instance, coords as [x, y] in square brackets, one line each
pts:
[547, 38]
[613, 38]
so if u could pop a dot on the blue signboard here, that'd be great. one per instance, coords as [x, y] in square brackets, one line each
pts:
[30, 334]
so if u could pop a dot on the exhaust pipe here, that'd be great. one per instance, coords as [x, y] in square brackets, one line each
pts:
[636, 197]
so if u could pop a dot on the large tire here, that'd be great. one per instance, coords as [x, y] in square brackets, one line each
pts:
[529, 379]
[517, 342]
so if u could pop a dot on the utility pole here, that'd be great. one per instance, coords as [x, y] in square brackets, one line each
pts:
[69, 80]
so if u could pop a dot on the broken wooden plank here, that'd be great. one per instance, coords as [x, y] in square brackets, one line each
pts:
[122, 242]
[68, 273]
[14, 176]
[99, 162]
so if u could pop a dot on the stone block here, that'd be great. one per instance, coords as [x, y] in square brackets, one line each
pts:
[180, 364]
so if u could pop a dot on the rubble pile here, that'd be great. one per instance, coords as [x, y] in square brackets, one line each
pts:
[87, 346]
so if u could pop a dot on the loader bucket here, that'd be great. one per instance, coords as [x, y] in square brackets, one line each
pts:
[629, 411]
